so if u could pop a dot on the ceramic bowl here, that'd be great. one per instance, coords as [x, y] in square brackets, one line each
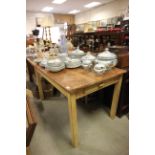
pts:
[100, 68]
[56, 62]
[88, 56]
[106, 55]
[72, 63]
[77, 53]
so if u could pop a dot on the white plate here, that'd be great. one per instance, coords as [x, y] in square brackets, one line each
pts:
[55, 69]
[73, 66]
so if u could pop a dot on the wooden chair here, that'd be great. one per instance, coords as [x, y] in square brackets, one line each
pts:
[30, 121]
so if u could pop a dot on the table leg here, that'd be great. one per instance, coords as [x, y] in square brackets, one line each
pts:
[73, 119]
[115, 99]
[29, 71]
[27, 150]
[39, 84]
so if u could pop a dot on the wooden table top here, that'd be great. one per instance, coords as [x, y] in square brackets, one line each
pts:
[78, 78]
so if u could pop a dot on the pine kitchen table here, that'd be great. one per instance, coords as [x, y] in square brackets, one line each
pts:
[77, 83]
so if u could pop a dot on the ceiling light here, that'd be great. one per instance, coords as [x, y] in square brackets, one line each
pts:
[74, 11]
[92, 4]
[58, 1]
[47, 9]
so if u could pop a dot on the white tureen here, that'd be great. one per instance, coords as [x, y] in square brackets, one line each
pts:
[108, 58]
[77, 53]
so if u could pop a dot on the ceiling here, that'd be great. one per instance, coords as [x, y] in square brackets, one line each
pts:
[69, 5]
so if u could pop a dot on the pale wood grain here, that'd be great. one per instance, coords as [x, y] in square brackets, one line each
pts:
[115, 99]
[76, 83]
[39, 84]
[73, 119]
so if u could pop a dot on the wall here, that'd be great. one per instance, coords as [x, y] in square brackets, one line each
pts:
[31, 20]
[46, 19]
[109, 10]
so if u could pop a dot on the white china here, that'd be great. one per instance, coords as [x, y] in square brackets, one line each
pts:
[56, 62]
[109, 63]
[100, 68]
[88, 56]
[106, 55]
[87, 64]
[72, 63]
[77, 53]
[108, 58]
[55, 69]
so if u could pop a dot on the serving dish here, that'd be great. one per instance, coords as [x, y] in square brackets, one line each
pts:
[77, 53]
[106, 55]
[72, 63]
[88, 56]
[55, 69]
[100, 68]
[107, 58]
[87, 64]
[55, 62]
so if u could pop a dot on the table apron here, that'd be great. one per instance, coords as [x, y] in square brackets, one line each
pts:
[92, 89]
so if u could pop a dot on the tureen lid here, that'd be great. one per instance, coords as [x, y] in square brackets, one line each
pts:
[106, 54]
[88, 56]
[78, 52]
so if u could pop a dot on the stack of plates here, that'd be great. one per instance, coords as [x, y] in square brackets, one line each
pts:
[55, 65]
[55, 68]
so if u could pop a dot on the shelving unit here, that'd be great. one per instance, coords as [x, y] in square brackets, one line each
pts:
[97, 40]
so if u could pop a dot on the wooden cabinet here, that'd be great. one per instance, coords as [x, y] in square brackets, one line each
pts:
[96, 41]
[123, 104]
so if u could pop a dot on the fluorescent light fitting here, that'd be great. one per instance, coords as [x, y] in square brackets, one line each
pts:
[47, 9]
[74, 11]
[92, 4]
[58, 1]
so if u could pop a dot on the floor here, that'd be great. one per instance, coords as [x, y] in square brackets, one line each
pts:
[98, 133]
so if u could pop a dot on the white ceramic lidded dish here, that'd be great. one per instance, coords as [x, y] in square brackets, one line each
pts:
[88, 56]
[87, 64]
[100, 68]
[72, 63]
[108, 58]
[77, 53]
[56, 62]
[106, 55]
